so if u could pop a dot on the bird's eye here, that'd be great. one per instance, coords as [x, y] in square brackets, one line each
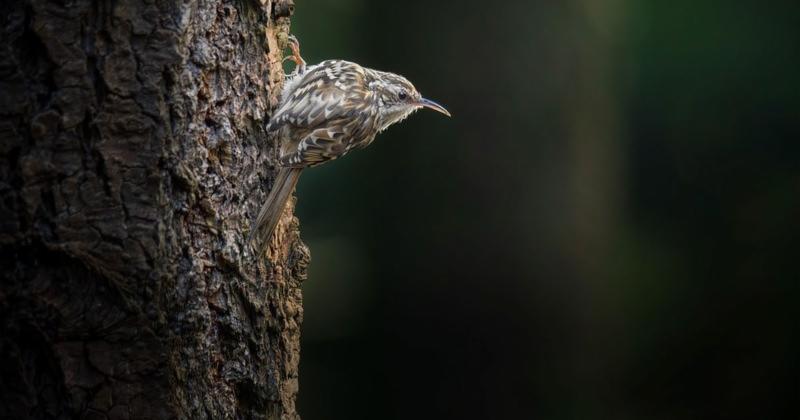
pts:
[402, 95]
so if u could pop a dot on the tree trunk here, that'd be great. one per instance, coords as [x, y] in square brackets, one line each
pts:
[133, 155]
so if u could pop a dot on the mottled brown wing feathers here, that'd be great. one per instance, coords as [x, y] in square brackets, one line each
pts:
[331, 141]
[325, 113]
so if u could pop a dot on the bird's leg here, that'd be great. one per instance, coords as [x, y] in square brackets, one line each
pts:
[300, 64]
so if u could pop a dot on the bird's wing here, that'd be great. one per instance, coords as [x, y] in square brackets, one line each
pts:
[334, 139]
[328, 91]
[325, 114]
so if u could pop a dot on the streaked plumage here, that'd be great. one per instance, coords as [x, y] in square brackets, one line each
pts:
[327, 110]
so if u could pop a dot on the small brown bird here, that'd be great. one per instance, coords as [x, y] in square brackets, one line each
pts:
[326, 110]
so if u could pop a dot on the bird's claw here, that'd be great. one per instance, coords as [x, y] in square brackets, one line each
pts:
[294, 44]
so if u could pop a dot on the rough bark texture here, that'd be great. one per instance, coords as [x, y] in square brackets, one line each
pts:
[133, 155]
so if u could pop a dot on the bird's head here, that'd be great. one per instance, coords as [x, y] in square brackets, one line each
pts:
[398, 98]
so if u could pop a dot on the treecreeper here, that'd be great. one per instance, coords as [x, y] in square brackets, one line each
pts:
[325, 111]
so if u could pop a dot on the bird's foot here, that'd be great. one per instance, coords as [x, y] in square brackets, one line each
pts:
[300, 64]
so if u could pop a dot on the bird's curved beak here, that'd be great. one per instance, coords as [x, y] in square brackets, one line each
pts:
[427, 103]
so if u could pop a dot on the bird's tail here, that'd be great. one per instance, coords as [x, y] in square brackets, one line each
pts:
[261, 230]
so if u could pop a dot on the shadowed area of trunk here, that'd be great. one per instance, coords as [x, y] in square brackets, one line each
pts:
[133, 156]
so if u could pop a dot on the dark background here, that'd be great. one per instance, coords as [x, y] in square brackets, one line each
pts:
[607, 228]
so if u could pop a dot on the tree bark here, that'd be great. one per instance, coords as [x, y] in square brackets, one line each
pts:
[133, 155]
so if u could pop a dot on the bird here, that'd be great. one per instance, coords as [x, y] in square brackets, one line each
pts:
[325, 111]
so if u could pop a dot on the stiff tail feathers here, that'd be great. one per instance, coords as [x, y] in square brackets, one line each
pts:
[269, 216]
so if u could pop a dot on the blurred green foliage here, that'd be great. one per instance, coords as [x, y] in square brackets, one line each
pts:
[606, 228]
